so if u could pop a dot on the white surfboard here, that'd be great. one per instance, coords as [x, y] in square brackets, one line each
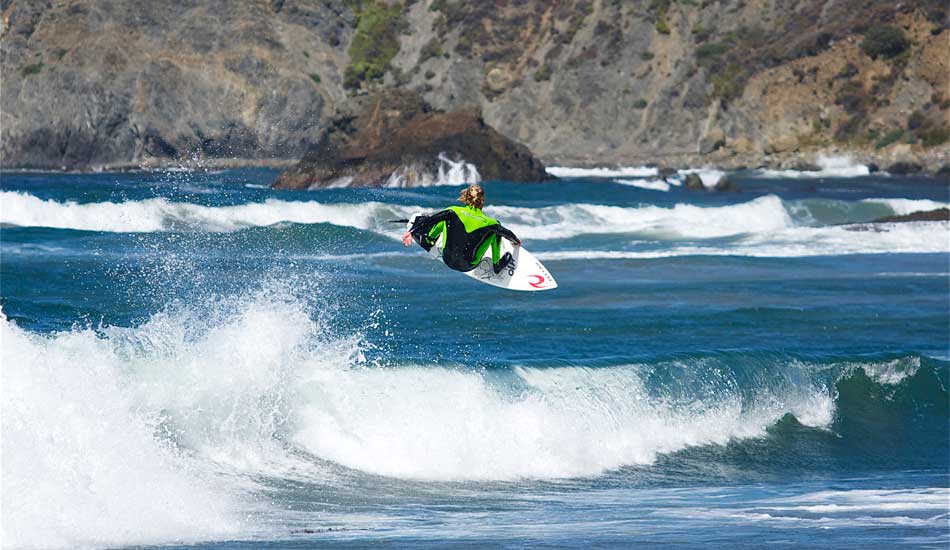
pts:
[524, 271]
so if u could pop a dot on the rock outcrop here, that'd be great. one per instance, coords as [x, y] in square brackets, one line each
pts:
[937, 215]
[395, 138]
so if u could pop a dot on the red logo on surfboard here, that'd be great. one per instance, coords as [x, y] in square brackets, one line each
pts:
[539, 283]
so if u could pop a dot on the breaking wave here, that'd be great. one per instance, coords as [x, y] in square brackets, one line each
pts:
[175, 418]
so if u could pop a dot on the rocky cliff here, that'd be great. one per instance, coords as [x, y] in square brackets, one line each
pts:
[730, 82]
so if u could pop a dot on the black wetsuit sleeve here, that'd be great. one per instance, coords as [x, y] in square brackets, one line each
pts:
[423, 224]
[506, 233]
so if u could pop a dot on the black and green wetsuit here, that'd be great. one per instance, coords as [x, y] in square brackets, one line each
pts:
[468, 234]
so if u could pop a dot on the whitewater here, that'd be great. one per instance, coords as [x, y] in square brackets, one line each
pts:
[195, 360]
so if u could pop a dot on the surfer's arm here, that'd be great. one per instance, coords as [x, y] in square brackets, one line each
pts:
[426, 229]
[506, 233]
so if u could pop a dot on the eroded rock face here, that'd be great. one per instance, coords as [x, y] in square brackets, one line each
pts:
[395, 138]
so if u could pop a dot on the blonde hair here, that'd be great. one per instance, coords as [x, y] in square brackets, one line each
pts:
[473, 196]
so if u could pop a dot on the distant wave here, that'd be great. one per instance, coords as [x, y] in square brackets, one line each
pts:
[920, 238]
[620, 172]
[829, 167]
[159, 214]
[765, 226]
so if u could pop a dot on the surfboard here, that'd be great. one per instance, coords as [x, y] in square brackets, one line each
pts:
[524, 272]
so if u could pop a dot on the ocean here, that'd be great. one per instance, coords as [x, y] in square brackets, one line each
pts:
[190, 359]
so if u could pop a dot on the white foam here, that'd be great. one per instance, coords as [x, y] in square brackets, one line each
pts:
[652, 185]
[829, 167]
[838, 508]
[602, 172]
[81, 465]
[449, 173]
[763, 214]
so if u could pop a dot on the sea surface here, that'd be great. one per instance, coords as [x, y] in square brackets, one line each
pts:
[192, 359]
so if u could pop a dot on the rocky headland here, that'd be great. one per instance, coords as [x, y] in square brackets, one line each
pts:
[90, 84]
[395, 138]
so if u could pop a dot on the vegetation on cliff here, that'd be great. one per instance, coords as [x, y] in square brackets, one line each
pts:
[375, 42]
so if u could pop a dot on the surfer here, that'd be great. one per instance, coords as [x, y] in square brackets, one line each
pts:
[467, 231]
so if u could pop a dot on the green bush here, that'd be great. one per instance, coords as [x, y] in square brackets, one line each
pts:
[640, 104]
[884, 41]
[662, 27]
[315, 78]
[543, 74]
[889, 138]
[433, 48]
[646, 56]
[935, 136]
[729, 83]
[30, 70]
[707, 54]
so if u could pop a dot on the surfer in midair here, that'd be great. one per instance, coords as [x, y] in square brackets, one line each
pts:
[467, 231]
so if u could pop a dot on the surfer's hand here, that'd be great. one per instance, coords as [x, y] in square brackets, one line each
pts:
[407, 239]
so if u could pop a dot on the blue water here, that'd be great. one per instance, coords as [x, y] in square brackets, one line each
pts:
[190, 358]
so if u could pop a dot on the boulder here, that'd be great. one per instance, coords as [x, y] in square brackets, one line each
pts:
[694, 183]
[396, 138]
[725, 184]
[903, 168]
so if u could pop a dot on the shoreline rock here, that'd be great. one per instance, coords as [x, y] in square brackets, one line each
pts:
[395, 138]
[937, 215]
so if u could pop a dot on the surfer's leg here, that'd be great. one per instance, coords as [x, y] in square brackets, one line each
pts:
[482, 247]
[498, 264]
